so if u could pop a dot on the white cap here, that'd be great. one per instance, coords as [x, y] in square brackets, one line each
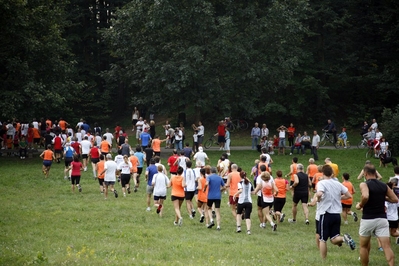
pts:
[200, 149]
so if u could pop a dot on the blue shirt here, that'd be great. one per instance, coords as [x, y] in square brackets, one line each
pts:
[145, 139]
[152, 170]
[140, 156]
[69, 151]
[255, 132]
[214, 184]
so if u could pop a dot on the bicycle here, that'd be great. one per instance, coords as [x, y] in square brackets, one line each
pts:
[211, 141]
[238, 124]
[341, 143]
[363, 143]
[370, 152]
[327, 137]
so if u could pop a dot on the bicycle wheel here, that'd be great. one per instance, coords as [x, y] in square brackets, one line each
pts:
[362, 144]
[348, 144]
[369, 153]
[339, 144]
[233, 125]
[243, 124]
[323, 140]
[208, 143]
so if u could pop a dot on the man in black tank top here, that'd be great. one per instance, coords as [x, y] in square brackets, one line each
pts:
[301, 193]
[374, 220]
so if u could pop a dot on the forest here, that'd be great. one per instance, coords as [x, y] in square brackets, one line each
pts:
[300, 61]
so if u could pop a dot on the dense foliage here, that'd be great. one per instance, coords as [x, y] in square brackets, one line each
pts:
[299, 61]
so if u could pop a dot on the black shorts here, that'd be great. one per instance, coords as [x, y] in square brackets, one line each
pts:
[109, 183]
[36, 140]
[189, 195]
[95, 160]
[173, 198]
[139, 170]
[291, 182]
[125, 179]
[134, 122]
[85, 156]
[260, 201]
[279, 204]
[58, 151]
[393, 224]
[221, 139]
[68, 161]
[159, 197]
[210, 202]
[157, 153]
[300, 196]
[346, 206]
[329, 226]
[101, 181]
[75, 179]
[267, 204]
[317, 227]
[247, 206]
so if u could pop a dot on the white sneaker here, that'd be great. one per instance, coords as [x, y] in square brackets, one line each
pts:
[291, 221]
[148, 209]
[290, 153]
[191, 217]
[180, 221]
[346, 222]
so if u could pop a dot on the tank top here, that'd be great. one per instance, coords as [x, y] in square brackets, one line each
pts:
[303, 184]
[375, 206]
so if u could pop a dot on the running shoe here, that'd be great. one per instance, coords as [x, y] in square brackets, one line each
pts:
[248, 232]
[262, 225]
[291, 221]
[135, 189]
[175, 223]
[307, 222]
[148, 209]
[211, 224]
[193, 213]
[180, 221]
[218, 228]
[213, 214]
[79, 188]
[355, 218]
[282, 217]
[116, 193]
[238, 229]
[128, 190]
[380, 249]
[159, 208]
[349, 241]
[274, 227]
[202, 218]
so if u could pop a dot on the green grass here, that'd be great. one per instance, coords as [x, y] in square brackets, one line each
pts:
[42, 221]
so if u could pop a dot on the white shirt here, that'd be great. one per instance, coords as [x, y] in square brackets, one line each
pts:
[200, 157]
[160, 182]
[163, 167]
[315, 140]
[378, 135]
[245, 195]
[109, 137]
[78, 135]
[264, 132]
[125, 167]
[331, 200]
[86, 145]
[110, 169]
[179, 135]
[201, 130]
[374, 126]
[98, 141]
[139, 125]
[189, 178]
[118, 159]
[384, 146]
[35, 124]
[281, 134]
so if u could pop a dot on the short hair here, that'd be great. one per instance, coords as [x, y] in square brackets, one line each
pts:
[369, 169]
[109, 156]
[152, 161]
[189, 164]
[138, 149]
[265, 176]
[279, 173]
[327, 170]
[234, 166]
[180, 170]
[311, 160]
[299, 166]
[262, 168]
[101, 156]
[157, 159]
[345, 176]
[263, 158]
[295, 159]
[213, 170]
[160, 168]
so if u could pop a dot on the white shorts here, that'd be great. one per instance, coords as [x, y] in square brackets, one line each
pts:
[378, 227]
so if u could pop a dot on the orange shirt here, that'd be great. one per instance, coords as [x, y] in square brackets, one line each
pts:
[62, 124]
[100, 168]
[177, 186]
[36, 134]
[156, 145]
[49, 123]
[18, 127]
[265, 164]
[349, 186]
[203, 196]
[135, 162]
[316, 178]
[104, 146]
[281, 185]
[294, 171]
[235, 179]
[48, 155]
[312, 170]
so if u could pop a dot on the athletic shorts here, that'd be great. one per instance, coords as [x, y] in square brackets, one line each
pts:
[279, 204]
[300, 196]
[139, 170]
[75, 179]
[85, 156]
[57, 151]
[95, 160]
[346, 206]
[125, 179]
[260, 201]
[47, 163]
[393, 224]
[149, 190]
[157, 153]
[109, 183]
[329, 226]
[232, 201]
[100, 181]
[247, 207]
[134, 122]
[68, 161]
[267, 204]
[36, 140]
[159, 197]
[173, 198]
[378, 227]
[189, 195]
[317, 227]
[210, 202]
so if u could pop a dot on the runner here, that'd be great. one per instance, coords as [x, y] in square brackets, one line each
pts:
[124, 168]
[216, 185]
[189, 189]
[202, 197]
[347, 204]
[160, 182]
[110, 169]
[69, 154]
[86, 146]
[75, 167]
[94, 156]
[177, 195]
[141, 158]
[279, 201]
[133, 171]
[100, 169]
[244, 202]
[48, 157]
[300, 189]
[149, 174]
[233, 179]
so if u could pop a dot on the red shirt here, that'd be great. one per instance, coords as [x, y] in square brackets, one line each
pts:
[171, 162]
[94, 153]
[221, 131]
[76, 146]
[76, 166]
[57, 143]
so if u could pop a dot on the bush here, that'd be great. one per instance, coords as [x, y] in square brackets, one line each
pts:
[390, 120]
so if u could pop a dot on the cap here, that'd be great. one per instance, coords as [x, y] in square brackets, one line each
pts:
[200, 149]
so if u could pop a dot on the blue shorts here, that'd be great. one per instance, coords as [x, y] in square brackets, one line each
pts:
[47, 163]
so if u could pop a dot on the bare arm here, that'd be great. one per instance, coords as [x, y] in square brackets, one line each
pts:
[361, 174]
[347, 195]
[364, 190]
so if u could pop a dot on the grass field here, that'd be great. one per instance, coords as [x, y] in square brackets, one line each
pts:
[42, 221]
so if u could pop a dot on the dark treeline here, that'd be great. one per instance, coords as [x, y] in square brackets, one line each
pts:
[291, 61]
